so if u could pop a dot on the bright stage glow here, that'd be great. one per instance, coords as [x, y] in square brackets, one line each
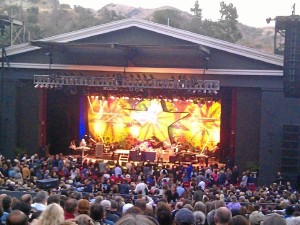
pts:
[126, 121]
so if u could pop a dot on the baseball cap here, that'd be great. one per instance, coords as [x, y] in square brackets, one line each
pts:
[184, 216]
[126, 207]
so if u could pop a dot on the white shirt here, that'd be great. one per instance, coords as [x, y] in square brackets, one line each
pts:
[202, 185]
[118, 171]
[38, 206]
[141, 187]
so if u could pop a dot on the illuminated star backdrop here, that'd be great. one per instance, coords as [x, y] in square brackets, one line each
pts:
[127, 121]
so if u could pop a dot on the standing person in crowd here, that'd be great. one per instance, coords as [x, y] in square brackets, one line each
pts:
[40, 201]
[171, 195]
[198, 194]
[244, 180]
[70, 208]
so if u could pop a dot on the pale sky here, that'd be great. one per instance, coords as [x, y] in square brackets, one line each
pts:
[252, 13]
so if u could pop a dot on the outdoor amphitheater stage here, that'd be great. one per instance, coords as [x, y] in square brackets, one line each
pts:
[121, 157]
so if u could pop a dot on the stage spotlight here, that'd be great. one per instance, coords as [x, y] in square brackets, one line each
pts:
[36, 86]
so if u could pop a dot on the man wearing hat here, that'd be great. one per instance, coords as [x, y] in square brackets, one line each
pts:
[184, 216]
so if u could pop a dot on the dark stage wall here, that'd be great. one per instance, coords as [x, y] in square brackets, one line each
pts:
[62, 120]
[276, 111]
[247, 131]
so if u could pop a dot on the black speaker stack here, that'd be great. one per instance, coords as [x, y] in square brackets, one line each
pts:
[291, 70]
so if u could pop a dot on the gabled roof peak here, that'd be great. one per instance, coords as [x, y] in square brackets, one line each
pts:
[158, 28]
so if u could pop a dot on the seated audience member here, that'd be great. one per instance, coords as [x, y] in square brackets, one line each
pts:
[16, 217]
[184, 217]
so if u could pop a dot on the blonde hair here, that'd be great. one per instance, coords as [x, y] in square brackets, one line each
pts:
[53, 215]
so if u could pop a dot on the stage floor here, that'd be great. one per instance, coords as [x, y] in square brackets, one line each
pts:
[113, 159]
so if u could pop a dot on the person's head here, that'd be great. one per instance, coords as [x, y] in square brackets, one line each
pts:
[256, 217]
[22, 206]
[17, 217]
[184, 217]
[199, 217]
[41, 197]
[289, 210]
[27, 198]
[97, 212]
[106, 204]
[83, 219]
[52, 215]
[114, 206]
[83, 206]
[200, 206]
[274, 219]
[136, 219]
[238, 220]
[211, 217]
[126, 207]
[163, 216]
[140, 203]
[222, 216]
[294, 220]
[53, 199]
[6, 202]
[71, 206]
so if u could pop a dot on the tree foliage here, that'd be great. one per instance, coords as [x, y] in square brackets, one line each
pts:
[197, 11]
[225, 29]
[169, 17]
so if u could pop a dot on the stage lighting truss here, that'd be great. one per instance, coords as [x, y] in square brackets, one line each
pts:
[109, 83]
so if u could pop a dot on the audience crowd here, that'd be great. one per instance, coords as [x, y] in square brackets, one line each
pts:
[94, 192]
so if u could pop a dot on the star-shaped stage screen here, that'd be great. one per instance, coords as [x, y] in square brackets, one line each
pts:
[128, 121]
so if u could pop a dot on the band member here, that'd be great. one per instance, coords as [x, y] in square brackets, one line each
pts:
[82, 143]
[72, 145]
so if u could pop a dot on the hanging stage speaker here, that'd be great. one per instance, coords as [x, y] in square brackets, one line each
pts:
[291, 67]
[47, 183]
[99, 150]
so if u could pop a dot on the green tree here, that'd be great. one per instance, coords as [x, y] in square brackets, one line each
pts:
[225, 29]
[169, 16]
[228, 29]
[197, 11]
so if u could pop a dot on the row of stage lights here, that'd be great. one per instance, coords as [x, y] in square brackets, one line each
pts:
[47, 86]
[51, 86]
[196, 100]
[195, 86]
